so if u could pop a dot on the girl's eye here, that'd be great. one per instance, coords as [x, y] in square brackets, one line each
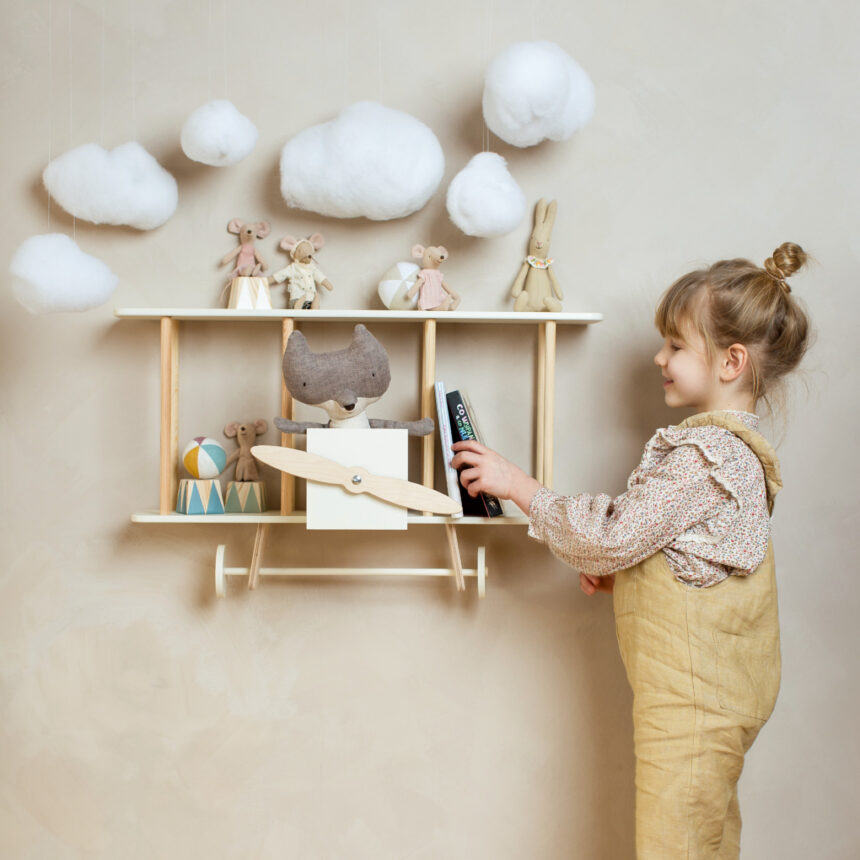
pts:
[675, 347]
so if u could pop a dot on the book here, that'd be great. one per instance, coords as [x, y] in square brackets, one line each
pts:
[452, 480]
[463, 429]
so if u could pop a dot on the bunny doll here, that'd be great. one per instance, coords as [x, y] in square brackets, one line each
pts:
[536, 287]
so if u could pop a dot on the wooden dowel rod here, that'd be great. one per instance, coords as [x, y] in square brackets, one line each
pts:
[549, 396]
[288, 482]
[428, 398]
[169, 477]
[540, 405]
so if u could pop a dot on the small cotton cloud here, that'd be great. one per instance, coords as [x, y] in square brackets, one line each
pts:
[484, 199]
[534, 91]
[369, 161]
[218, 135]
[51, 273]
[124, 185]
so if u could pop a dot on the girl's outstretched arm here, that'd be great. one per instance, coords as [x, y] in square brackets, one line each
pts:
[599, 535]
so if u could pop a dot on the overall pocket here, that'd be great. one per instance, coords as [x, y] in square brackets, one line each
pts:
[748, 673]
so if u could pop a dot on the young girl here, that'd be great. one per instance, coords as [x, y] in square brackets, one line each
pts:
[687, 550]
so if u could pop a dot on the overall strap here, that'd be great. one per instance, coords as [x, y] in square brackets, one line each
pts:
[753, 439]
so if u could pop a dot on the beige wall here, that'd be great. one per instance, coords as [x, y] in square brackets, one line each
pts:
[143, 718]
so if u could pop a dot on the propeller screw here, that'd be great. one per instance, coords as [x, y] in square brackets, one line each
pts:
[356, 479]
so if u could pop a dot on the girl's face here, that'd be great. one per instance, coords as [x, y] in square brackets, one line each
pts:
[688, 378]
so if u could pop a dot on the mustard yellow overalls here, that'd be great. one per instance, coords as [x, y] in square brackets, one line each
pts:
[704, 665]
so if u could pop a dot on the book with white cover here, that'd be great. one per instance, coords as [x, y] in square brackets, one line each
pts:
[443, 421]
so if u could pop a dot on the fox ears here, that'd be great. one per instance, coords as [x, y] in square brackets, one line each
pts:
[297, 343]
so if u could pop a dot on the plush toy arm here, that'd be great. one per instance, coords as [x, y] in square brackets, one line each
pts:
[227, 257]
[232, 458]
[424, 427]
[520, 281]
[419, 281]
[260, 260]
[555, 285]
[287, 426]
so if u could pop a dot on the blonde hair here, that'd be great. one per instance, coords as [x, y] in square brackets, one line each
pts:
[735, 301]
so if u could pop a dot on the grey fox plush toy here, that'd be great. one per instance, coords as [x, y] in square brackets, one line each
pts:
[343, 383]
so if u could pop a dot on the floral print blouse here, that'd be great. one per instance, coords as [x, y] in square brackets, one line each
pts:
[698, 494]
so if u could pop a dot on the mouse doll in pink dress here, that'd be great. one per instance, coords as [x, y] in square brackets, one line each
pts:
[433, 293]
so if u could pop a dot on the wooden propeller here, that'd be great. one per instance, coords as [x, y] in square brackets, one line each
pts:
[356, 479]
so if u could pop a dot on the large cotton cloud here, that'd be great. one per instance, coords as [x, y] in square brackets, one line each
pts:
[369, 161]
[534, 91]
[125, 185]
[484, 199]
[218, 135]
[51, 273]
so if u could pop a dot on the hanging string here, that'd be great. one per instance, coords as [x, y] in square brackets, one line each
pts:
[209, 87]
[488, 49]
[71, 124]
[224, 62]
[379, 21]
[102, 82]
[50, 95]
[133, 73]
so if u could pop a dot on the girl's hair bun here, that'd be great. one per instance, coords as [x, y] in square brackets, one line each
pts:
[786, 260]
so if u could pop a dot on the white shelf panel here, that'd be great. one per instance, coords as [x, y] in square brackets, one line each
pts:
[272, 517]
[222, 314]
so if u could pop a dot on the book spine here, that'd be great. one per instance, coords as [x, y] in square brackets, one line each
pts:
[463, 425]
[452, 480]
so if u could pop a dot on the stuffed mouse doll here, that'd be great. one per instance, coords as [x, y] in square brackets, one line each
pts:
[343, 383]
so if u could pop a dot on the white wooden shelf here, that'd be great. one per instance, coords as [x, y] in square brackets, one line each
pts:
[301, 518]
[223, 314]
[171, 319]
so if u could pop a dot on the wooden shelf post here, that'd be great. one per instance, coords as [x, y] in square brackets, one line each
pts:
[428, 398]
[549, 402]
[169, 478]
[288, 482]
[540, 405]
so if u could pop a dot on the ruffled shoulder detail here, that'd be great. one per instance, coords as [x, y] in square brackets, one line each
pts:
[711, 445]
[752, 438]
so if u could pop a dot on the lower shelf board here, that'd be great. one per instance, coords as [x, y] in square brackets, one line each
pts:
[301, 517]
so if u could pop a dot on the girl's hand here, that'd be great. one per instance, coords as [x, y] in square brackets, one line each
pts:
[591, 584]
[488, 472]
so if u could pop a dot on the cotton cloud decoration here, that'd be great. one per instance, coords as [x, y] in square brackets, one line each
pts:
[218, 135]
[534, 91]
[124, 185]
[51, 273]
[484, 199]
[368, 161]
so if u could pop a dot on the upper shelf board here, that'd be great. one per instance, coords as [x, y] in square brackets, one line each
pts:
[217, 314]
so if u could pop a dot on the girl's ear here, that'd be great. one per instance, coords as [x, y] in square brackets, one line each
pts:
[733, 362]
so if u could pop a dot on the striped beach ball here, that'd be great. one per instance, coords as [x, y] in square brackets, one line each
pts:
[204, 457]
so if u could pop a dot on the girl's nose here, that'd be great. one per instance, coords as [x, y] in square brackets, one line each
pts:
[658, 359]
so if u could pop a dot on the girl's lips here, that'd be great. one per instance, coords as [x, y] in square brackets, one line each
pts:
[667, 382]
